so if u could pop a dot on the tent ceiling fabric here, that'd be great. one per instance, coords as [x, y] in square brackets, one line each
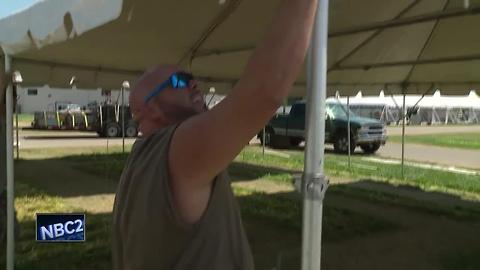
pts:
[396, 45]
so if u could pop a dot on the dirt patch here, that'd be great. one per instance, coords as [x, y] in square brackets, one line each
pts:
[268, 187]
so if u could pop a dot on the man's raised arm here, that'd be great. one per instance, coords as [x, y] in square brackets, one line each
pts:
[205, 144]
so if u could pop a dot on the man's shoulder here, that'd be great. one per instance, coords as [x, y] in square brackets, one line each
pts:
[151, 149]
[158, 137]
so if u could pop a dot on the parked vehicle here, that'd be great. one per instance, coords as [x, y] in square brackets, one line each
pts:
[106, 120]
[286, 130]
[66, 116]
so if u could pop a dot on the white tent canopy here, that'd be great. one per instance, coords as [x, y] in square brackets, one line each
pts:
[402, 46]
[411, 45]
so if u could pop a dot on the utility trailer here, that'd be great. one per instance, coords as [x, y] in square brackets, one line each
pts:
[106, 120]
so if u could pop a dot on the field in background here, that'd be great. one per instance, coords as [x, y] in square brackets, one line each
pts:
[456, 140]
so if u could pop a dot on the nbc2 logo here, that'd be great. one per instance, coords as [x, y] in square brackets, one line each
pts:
[60, 227]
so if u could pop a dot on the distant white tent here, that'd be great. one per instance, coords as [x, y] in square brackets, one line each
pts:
[432, 109]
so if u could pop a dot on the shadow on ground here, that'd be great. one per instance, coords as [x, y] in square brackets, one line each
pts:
[366, 225]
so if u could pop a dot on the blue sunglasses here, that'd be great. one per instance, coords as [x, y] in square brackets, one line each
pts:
[178, 80]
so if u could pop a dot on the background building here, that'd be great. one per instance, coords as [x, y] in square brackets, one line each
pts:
[45, 98]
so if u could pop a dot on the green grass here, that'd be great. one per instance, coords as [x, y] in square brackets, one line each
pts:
[277, 213]
[337, 165]
[286, 210]
[462, 259]
[282, 168]
[92, 254]
[25, 117]
[269, 218]
[454, 140]
[379, 197]
[250, 164]
[72, 152]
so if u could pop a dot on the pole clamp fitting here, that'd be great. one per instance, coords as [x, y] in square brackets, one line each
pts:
[315, 186]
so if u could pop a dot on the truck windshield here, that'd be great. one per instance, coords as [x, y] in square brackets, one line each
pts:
[337, 110]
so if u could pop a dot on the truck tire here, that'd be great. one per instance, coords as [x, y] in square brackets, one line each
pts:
[341, 144]
[273, 140]
[131, 131]
[111, 130]
[370, 148]
[268, 135]
[295, 141]
[68, 122]
[280, 142]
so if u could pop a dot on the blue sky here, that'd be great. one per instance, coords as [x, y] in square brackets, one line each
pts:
[10, 6]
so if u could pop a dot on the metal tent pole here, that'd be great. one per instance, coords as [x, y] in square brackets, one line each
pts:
[263, 142]
[212, 95]
[403, 137]
[314, 182]
[16, 129]
[348, 134]
[9, 159]
[125, 85]
[123, 120]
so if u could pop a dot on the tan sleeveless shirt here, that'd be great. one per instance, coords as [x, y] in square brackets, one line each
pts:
[147, 233]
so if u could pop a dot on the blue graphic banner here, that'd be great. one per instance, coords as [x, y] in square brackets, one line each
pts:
[60, 227]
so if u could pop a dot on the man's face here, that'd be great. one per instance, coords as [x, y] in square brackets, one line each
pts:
[180, 104]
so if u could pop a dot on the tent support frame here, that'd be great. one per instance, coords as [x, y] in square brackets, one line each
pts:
[404, 116]
[348, 135]
[17, 143]
[9, 162]
[314, 182]
[123, 119]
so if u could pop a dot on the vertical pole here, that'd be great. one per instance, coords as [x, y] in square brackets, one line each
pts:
[211, 98]
[403, 137]
[16, 127]
[123, 119]
[447, 112]
[263, 142]
[348, 133]
[314, 183]
[10, 184]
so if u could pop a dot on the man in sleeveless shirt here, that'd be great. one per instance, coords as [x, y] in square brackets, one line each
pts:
[174, 207]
